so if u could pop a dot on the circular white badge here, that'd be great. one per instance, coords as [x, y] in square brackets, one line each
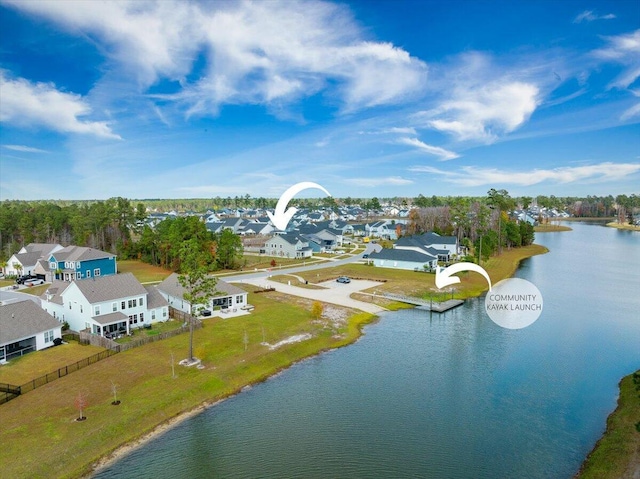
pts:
[513, 303]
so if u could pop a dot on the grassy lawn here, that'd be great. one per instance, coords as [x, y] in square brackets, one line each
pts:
[145, 273]
[550, 228]
[35, 290]
[40, 429]
[423, 284]
[6, 282]
[623, 226]
[33, 365]
[155, 329]
[617, 453]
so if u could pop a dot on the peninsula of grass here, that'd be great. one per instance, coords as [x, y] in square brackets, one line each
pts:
[623, 226]
[551, 228]
[420, 284]
[41, 439]
[617, 454]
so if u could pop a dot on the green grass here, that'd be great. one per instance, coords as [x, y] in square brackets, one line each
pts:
[18, 371]
[145, 273]
[623, 226]
[550, 228]
[39, 427]
[156, 328]
[420, 284]
[617, 453]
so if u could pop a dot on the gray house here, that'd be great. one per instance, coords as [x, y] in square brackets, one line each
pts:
[228, 296]
[288, 245]
[403, 259]
[26, 327]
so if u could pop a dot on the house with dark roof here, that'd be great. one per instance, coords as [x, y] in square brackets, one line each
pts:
[105, 305]
[443, 247]
[25, 327]
[79, 262]
[25, 260]
[403, 259]
[226, 297]
[289, 245]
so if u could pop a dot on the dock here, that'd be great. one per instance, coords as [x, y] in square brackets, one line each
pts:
[436, 306]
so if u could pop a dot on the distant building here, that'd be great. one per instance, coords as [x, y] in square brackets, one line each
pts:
[78, 262]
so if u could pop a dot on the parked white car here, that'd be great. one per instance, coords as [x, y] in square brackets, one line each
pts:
[34, 282]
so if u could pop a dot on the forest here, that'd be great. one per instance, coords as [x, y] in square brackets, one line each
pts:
[118, 224]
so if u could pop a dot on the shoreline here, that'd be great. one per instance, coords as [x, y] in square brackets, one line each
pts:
[623, 226]
[128, 447]
[608, 459]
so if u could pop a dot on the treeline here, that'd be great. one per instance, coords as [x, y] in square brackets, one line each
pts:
[106, 225]
[483, 224]
[161, 246]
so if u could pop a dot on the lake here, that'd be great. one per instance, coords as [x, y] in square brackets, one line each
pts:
[448, 395]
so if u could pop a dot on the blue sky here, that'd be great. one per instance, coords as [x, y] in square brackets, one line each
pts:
[383, 98]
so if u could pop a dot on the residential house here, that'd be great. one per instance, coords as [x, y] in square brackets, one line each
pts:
[289, 245]
[25, 260]
[443, 247]
[25, 327]
[227, 295]
[403, 259]
[78, 262]
[384, 229]
[105, 305]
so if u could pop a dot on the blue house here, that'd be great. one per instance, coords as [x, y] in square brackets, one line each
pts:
[79, 262]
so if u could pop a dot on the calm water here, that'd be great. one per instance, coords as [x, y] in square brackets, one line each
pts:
[442, 396]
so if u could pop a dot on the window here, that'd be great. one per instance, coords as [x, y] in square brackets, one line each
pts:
[53, 265]
[164, 313]
[140, 302]
[142, 317]
[97, 310]
[238, 299]
[69, 304]
[153, 315]
[133, 319]
[130, 303]
[88, 274]
[48, 336]
[114, 307]
[96, 272]
[123, 305]
[81, 309]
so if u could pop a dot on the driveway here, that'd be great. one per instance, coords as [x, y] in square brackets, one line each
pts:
[332, 292]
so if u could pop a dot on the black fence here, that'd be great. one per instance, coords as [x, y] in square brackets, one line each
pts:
[10, 391]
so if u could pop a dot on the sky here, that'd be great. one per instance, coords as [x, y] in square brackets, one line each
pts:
[175, 99]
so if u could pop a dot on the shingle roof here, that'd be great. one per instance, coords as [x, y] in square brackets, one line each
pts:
[44, 249]
[110, 318]
[402, 255]
[80, 253]
[172, 287]
[24, 319]
[28, 259]
[54, 291]
[109, 288]
[154, 298]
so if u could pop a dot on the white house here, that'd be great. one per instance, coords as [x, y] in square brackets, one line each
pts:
[288, 245]
[403, 259]
[227, 296]
[26, 260]
[25, 327]
[443, 247]
[104, 305]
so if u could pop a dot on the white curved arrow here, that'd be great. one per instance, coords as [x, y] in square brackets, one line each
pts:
[444, 278]
[281, 218]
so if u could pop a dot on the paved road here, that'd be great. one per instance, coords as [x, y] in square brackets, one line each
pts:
[7, 295]
[332, 292]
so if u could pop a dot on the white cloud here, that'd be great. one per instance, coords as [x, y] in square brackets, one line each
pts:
[25, 149]
[623, 49]
[41, 104]
[631, 112]
[484, 112]
[590, 16]
[441, 153]
[472, 176]
[375, 182]
[270, 53]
